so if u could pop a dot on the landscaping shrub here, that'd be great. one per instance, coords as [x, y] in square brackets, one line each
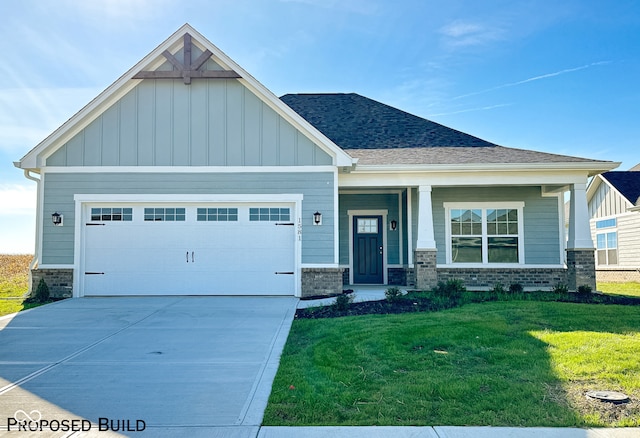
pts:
[452, 290]
[343, 302]
[584, 289]
[515, 288]
[560, 288]
[41, 295]
[393, 294]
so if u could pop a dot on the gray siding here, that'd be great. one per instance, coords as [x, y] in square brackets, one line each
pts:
[541, 218]
[211, 122]
[317, 189]
[606, 202]
[387, 201]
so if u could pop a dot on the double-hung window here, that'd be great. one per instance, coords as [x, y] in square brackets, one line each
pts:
[607, 241]
[485, 233]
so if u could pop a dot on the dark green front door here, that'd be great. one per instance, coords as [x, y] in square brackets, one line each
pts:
[368, 252]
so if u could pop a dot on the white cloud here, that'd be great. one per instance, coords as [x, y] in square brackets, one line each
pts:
[461, 33]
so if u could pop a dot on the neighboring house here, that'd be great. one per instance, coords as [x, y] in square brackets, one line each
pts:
[188, 176]
[614, 207]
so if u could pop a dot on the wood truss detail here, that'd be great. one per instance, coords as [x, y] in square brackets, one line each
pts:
[187, 69]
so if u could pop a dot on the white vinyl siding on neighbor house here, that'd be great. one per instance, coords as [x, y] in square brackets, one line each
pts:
[208, 123]
[317, 189]
[606, 202]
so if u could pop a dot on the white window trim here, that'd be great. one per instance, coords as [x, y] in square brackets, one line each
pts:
[448, 206]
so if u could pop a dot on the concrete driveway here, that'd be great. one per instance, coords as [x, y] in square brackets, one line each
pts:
[173, 366]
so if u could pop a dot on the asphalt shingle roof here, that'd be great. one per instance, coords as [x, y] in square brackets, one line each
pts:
[627, 183]
[356, 122]
[378, 134]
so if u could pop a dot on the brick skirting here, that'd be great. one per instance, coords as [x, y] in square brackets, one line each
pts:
[60, 281]
[487, 278]
[321, 281]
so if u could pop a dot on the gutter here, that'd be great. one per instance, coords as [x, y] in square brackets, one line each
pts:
[36, 257]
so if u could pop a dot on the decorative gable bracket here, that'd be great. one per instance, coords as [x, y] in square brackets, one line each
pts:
[187, 69]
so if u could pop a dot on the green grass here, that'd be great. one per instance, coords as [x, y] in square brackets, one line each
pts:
[630, 289]
[14, 282]
[520, 363]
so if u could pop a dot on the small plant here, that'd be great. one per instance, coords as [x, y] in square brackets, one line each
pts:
[584, 289]
[393, 294]
[343, 302]
[451, 290]
[498, 289]
[560, 288]
[515, 288]
[41, 295]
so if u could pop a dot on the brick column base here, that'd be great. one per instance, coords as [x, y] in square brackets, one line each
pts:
[426, 275]
[581, 268]
[59, 281]
[321, 281]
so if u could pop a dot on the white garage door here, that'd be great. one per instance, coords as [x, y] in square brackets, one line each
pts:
[163, 249]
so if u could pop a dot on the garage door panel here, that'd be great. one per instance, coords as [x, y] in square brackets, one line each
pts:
[189, 257]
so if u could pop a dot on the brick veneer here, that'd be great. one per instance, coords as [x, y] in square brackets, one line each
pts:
[487, 278]
[60, 281]
[321, 281]
[581, 268]
[617, 275]
[426, 275]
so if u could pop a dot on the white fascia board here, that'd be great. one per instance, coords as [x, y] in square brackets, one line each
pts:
[35, 158]
[498, 177]
[592, 167]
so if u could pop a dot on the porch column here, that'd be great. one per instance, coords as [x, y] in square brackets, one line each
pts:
[581, 268]
[425, 252]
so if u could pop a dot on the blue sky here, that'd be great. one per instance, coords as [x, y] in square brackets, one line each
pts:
[552, 76]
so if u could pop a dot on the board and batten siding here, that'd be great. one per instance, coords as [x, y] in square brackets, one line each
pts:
[541, 219]
[317, 189]
[607, 202]
[212, 122]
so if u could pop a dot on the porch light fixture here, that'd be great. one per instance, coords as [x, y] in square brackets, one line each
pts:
[57, 219]
[317, 218]
[393, 225]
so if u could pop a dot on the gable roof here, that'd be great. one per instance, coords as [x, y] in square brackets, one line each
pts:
[357, 122]
[34, 159]
[627, 183]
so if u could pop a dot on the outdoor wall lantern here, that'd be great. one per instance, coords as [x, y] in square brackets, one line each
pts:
[317, 218]
[393, 225]
[57, 219]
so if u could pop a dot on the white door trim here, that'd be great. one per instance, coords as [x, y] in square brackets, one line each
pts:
[383, 213]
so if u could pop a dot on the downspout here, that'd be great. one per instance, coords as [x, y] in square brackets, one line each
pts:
[36, 257]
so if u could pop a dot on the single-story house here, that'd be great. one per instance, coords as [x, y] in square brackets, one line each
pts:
[188, 176]
[614, 208]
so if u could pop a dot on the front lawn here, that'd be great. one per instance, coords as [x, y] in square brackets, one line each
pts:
[14, 282]
[518, 363]
[630, 289]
